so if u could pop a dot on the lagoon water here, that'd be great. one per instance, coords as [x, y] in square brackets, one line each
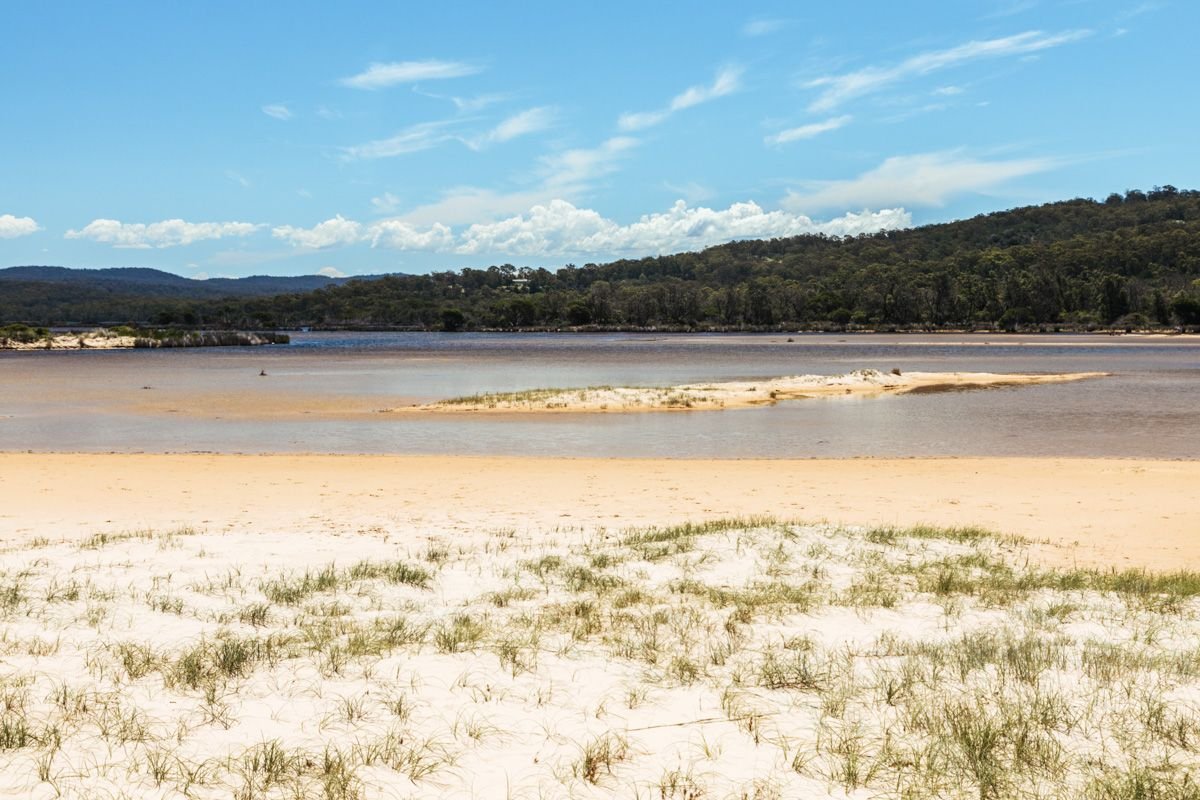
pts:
[95, 401]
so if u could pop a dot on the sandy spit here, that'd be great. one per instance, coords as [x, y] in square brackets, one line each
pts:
[1086, 511]
[91, 340]
[735, 394]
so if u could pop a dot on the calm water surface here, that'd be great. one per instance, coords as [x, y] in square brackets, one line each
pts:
[82, 401]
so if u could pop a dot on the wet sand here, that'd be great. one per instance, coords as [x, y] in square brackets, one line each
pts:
[1106, 512]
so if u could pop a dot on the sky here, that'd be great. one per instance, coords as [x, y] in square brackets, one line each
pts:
[225, 139]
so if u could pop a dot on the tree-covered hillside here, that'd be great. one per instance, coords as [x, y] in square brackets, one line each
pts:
[1132, 260]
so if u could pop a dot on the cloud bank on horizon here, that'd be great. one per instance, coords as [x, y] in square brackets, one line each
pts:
[490, 140]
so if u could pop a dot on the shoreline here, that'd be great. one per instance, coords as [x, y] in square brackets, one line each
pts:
[1106, 512]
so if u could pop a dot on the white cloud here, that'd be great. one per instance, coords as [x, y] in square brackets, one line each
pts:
[11, 227]
[465, 204]
[808, 131]
[168, 233]
[387, 203]
[522, 123]
[926, 179]
[278, 111]
[570, 169]
[380, 75]
[838, 89]
[559, 228]
[762, 27]
[329, 233]
[413, 139]
[948, 91]
[331, 272]
[401, 235]
[465, 104]
[728, 81]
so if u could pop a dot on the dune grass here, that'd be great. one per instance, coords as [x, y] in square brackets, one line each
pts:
[727, 658]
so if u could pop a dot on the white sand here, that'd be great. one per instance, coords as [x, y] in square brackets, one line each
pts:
[757, 661]
[735, 394]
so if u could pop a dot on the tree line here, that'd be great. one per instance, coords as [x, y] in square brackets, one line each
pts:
[1131, 260]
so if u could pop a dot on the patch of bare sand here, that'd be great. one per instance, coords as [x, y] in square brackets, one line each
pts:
[735, 394]
[1089, 511]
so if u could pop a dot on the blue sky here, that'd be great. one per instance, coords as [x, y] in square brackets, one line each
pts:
[229, 139]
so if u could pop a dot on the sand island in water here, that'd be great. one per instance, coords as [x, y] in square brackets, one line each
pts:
[737, 394]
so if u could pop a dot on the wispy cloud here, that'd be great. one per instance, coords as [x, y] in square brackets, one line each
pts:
[727, 81]
[522, 123]
[808, 131]
[413, 139]
[278, 111]
[381, 75]
[926, 179]
[387, 203]
[1011, 8]
[11, 227]
[572, 168]
[762, 27]
[237, 178]
[168, 233]
[465, 104]
[838, 89]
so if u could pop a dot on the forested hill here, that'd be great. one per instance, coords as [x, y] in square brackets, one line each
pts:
[1131, 260]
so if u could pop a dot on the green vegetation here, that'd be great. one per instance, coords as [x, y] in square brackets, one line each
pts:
[1131, 261]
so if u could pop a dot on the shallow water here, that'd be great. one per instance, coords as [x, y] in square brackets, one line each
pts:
[92, 401]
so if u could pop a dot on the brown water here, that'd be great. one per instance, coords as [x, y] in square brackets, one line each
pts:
[320, 393]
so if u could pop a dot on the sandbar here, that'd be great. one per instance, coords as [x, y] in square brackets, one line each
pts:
[736, 394]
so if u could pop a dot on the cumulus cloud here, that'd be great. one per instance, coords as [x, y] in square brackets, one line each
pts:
[381, 75]
[331, 272]
[808, 131]
[925, 179]
[11, 227]
[401, 235]
[837, 89]
[278, 111]
[727, 81]
[559, 228]
[168, 233]
[522, 123]
[329, 233]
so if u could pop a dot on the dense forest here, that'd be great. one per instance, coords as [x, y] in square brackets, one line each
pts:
[1129, 261]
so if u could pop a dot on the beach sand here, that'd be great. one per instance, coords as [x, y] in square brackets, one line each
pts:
[1105, 512]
